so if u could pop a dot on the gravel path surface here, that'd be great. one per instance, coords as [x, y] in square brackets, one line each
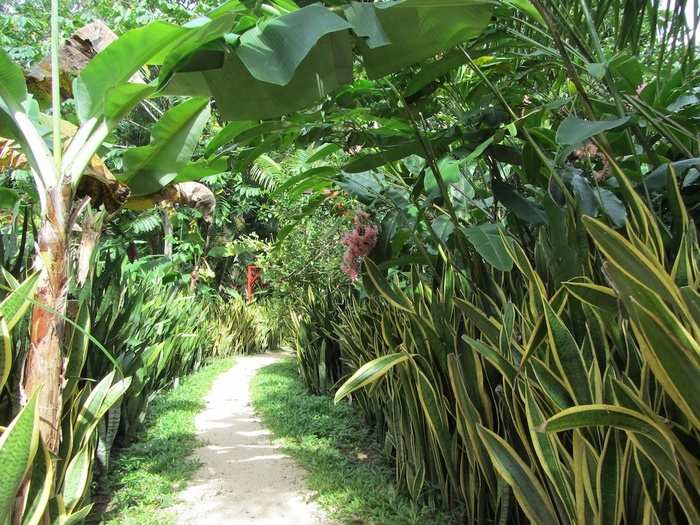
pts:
[244, 478]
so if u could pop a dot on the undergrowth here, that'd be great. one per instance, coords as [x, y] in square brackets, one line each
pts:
[146, 476]
[351, 476]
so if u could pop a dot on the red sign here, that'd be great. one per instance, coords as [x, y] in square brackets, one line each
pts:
[253, 275]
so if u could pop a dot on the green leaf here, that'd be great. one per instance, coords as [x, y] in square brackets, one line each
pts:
[443, 227]
[611, 206]
[5, 353]
[120, 100]
[273, 51]
[449, 171]
[597, 296]
[598, 415]
[17, 302]
[609, 486]
[632, 262]
[240, 95]
[436, 416]
[657, 179]
[395, 297]
[88, 416]
[597, 69]
[486, 325]
[147, 169]
[8, 198]
[567, 355]
[324, 151]
[670, 350]
[388, 154]
[18, 446]
[494, 357]
[416, 30]
[434, 70]
[319, 174]
[230, 132]
[78, 516]
[76, 478]
[118, 62]
[652, 439]
[366, 24]
[545, 446]
[523, 208]
[574, 130]
[77, 350]
[13, 89]
[488, 243]
[200, 32]
[526, 7]
[583, 193]
[550, 382]
[527, 489]
[198, 169]
[626, 72]
[365, 187]
[40, 486]
[370, 373]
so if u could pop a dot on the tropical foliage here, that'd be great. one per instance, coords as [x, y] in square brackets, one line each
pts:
[517, 179]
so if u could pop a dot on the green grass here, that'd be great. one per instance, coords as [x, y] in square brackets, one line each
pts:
[146, 476]
[345, 467]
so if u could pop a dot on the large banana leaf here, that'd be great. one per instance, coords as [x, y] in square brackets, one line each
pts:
[147, 169]
[13, 89]
[17, 110]
[99, 84]
[118, 63]
[288, 64]
[296, 59]
[414, 30]
[273, 52]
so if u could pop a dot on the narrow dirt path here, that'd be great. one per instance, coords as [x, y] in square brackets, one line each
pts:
[244, 478]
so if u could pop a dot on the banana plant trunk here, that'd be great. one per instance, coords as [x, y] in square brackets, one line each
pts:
[44, 364]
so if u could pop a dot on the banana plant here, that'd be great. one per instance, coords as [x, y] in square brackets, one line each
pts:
[103, 95]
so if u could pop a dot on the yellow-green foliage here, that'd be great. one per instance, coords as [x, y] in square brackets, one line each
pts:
[531, 400]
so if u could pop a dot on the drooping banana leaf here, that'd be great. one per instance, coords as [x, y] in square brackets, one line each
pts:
[147, 169]
[404, 32]
[286, 65]
[273, 52]
[155, 43]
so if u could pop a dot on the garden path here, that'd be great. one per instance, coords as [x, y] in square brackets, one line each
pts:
[244, 477]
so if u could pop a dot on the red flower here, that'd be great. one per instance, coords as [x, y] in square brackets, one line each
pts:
[359, 243]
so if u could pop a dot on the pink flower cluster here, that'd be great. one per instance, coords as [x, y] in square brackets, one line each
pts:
[359, 243]
[591, 151]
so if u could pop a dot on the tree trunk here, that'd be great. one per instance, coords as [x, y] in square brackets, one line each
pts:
[44, 364]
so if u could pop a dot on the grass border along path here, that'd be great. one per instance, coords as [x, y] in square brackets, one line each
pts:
[344, 464]
[146, 477]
